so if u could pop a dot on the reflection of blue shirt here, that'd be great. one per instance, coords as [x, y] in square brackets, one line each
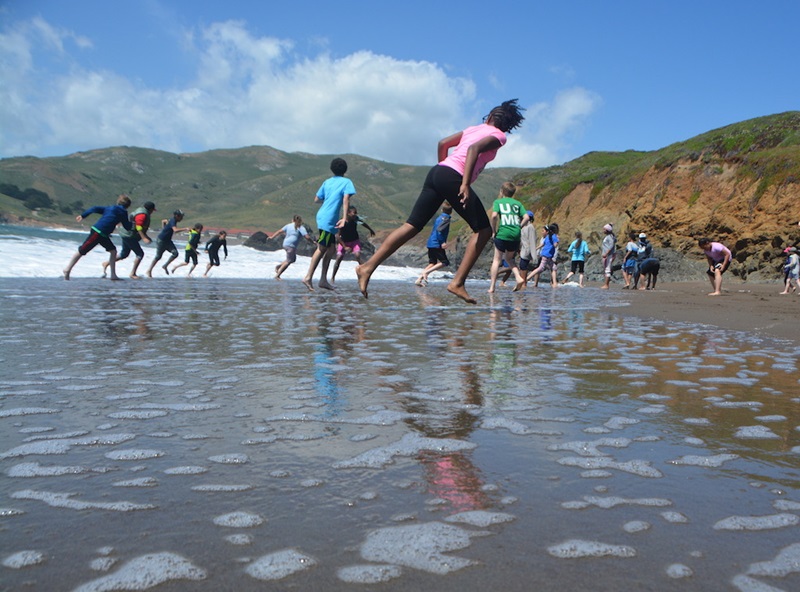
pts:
[110, 216]
[440, 232]
[332, 194]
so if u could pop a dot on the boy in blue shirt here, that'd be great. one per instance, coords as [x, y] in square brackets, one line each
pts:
[437, 243]
[334, 194]
[100, 234]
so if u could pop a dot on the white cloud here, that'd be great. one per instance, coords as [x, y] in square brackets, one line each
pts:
[250, 90]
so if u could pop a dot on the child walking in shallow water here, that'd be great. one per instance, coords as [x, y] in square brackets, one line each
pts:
[451, 181]
[508, 215]
[580, 251]
[334, 194]
[101, 232]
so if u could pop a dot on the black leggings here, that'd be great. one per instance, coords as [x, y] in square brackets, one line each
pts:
[443, 183]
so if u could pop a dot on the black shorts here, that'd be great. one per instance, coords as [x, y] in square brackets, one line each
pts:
[213, 258]
[442, 184]
[438, 255]
[165, 246]
[576, 266]
[326, 239]
[190, 256]
[130, 244]
[505, 246]
[94, 239]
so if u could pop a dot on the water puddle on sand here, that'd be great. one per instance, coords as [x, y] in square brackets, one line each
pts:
[236, 433]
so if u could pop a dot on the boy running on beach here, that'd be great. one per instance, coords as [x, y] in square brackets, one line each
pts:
[348, 240]
[164, 242]
[437, 243]
[334, 194]
[191, 249]
[508, 215]
[140, 218]
[100, 234]
[292, 233]
[212, 248]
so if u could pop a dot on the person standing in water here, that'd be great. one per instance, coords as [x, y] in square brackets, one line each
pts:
[580, 251]
[608, 251]
[100, 234]
[164, 242]
[334, 195]
[451, 180]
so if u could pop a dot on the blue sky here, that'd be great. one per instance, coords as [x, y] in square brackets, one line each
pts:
[387, 80]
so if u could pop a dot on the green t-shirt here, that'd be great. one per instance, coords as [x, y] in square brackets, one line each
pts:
[510, 213]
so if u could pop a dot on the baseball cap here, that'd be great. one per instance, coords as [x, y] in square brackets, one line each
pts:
[177, 213]
[149, 205]
[642, 235]
[530, 214]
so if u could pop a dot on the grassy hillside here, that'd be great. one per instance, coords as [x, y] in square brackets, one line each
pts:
[766, 149]
[248, 188]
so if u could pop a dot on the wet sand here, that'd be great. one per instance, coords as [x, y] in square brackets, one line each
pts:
[250, 435]
[757, 308]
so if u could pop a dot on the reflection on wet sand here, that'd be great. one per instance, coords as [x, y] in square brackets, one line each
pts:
[227, 435]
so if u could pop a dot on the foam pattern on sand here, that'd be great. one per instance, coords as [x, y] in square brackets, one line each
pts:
[248, 432]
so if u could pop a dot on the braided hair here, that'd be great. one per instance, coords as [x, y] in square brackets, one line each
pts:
[507, 116]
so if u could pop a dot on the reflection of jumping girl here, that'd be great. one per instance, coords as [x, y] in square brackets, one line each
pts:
[451, 181]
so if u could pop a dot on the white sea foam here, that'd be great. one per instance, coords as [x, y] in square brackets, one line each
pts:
[716, 460]
[279, 565]
[34, 469]
[186, 470]
[678, 570]
[641, 468]
[64, 500]
[20, 411]
[22, 559]
[755, 433]
[369, 574]
[239, 520]
[419, 546]
[481, 518]
[576, 548]
[787, 562]
[757, 522]
[410, 444]
[146, 572]
[134, 454]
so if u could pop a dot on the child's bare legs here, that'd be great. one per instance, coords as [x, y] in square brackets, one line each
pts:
[569, 275]
[136, 262]
[326, 261]
[471, 254]
[191, 270]
[394, 241]
[208, 268]
[338, 262]
[495, 269]
[512, 266]
[312, 267]
[554, 276]
[429, 269]
[174, 267]
[112, 265]
[172, 258]
[71, 264]
[580, 280]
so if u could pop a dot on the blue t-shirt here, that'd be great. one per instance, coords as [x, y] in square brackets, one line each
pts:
[166, 232]
[440, 232]
[110, 216]
[578, 254]
[549, 247]
[332, 194]
[293, 235]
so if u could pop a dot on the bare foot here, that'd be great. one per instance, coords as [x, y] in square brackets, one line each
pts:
[166, 269]
[363, 280]
[308, 284]
[604, 287]
[133, 276]
[715, 293]
[519, 286]
[461, 292]
[149, 274]
[116, 278]
[66, 274]
[326, 286]
[491, 290]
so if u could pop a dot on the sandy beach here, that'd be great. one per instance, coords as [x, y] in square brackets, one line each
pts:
[743, 306]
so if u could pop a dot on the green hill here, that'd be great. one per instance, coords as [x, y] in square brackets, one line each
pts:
[249, 188]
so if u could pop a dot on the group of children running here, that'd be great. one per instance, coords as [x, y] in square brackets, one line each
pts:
[135, 226]
[447, 187]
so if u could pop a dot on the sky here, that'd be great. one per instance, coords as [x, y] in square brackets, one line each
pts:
[387, 80]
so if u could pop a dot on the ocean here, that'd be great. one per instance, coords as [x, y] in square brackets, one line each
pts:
[244, 433]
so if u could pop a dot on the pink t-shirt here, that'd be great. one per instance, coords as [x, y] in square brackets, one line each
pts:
[457, 159]
[717, 252]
